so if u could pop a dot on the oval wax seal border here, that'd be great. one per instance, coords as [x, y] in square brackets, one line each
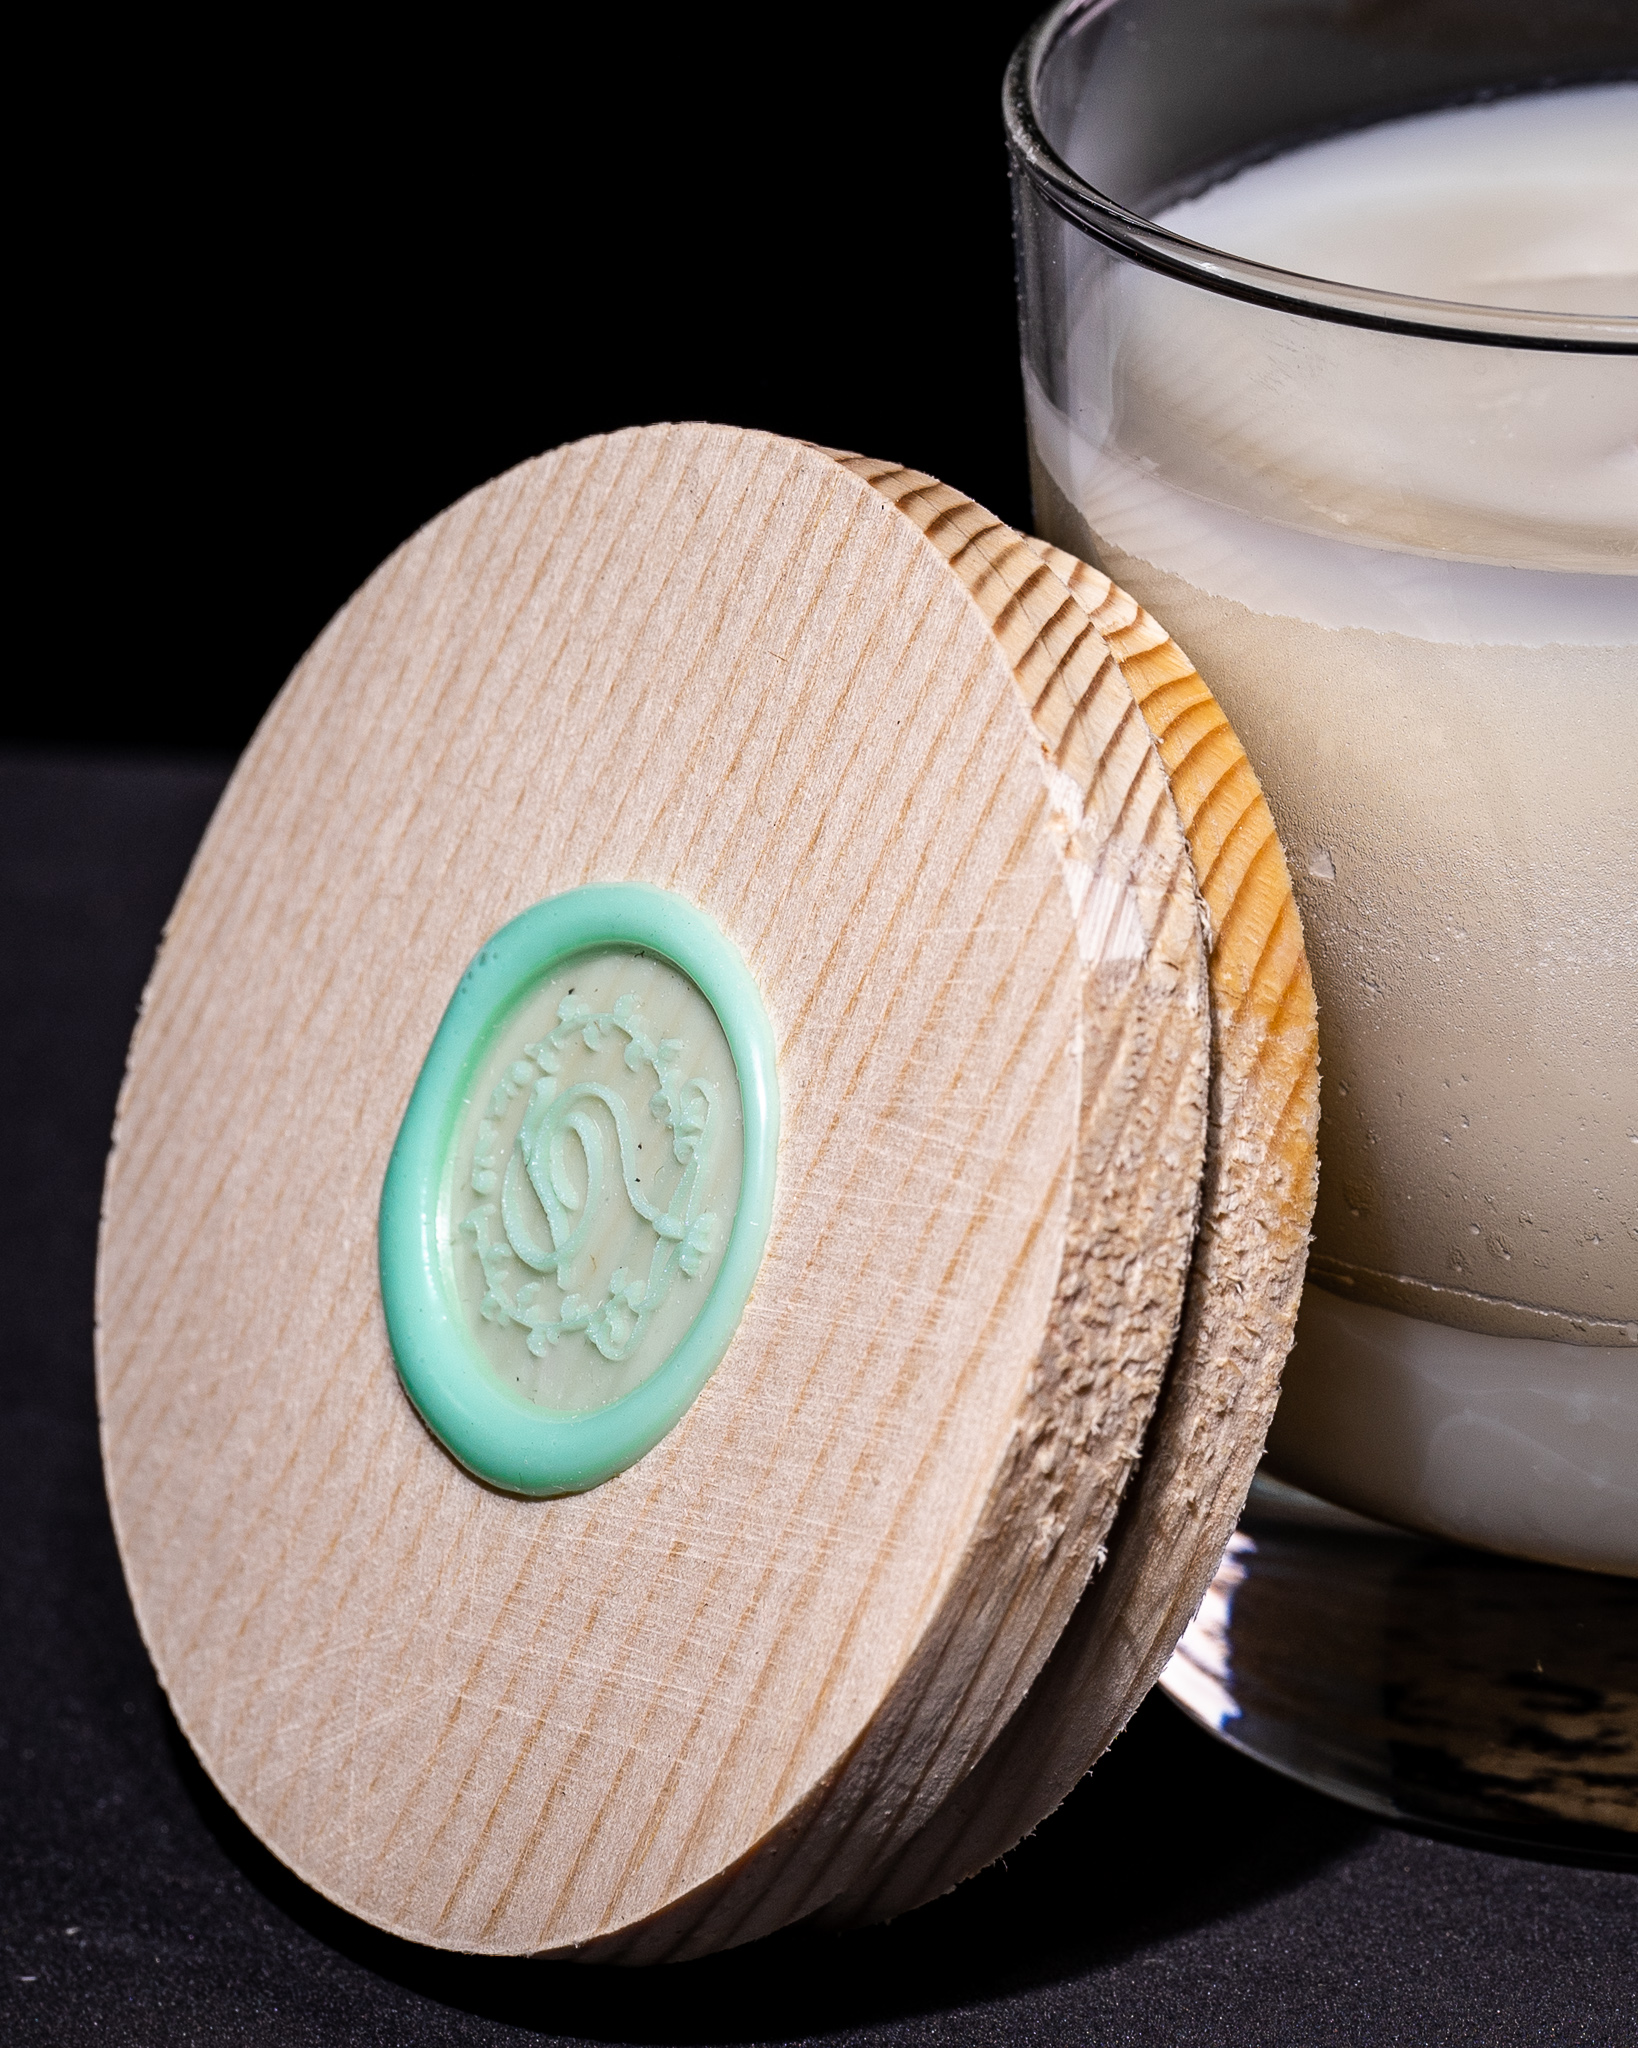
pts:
[522, 1156]
[692, 1703]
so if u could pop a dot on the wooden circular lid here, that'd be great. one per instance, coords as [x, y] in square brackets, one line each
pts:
[730, 1684]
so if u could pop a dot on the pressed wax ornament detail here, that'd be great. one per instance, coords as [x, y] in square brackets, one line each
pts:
[597, 1172]
[577, 1205]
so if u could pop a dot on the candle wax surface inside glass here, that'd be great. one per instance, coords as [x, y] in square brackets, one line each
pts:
[1529, 202]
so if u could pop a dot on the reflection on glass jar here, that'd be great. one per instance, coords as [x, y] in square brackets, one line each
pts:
[1421, 1681]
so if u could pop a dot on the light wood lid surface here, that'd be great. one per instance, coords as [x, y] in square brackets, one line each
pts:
[723, 1688]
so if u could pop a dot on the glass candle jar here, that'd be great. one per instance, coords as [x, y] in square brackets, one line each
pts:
[1330, 338]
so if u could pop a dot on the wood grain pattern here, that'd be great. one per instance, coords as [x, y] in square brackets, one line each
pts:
[708, 1696]
[1246, 1279]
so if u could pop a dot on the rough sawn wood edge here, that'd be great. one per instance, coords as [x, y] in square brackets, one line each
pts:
[1245, 1283]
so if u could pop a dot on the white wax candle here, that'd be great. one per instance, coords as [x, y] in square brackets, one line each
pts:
[1409, 568]
[1529, 202]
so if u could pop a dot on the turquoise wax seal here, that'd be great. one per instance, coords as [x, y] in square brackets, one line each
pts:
[579, 1198]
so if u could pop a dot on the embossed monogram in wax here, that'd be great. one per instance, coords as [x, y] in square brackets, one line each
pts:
[599, 1169]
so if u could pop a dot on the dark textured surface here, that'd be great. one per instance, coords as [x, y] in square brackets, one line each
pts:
[1182, 1896]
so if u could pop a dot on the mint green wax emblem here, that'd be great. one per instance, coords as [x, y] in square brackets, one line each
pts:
[577, 1204]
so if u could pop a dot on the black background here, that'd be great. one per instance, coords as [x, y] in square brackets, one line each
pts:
[296, 301]
[285, 300]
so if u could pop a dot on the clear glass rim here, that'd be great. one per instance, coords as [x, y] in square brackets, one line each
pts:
[1237, 277]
